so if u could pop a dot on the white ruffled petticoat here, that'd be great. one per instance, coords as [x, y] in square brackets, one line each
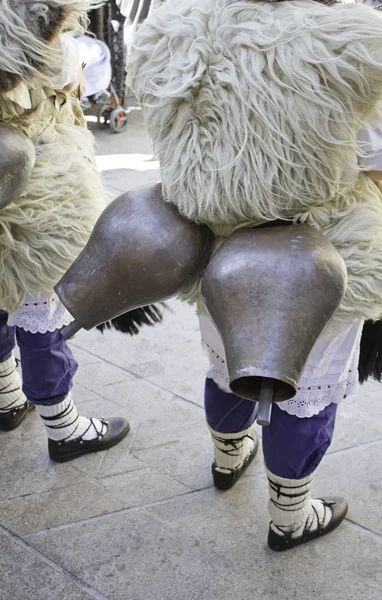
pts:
[41, 313]
[330, 373]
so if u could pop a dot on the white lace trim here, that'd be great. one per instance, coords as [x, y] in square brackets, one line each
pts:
[309, 402]
[330, 374]
[40, 314]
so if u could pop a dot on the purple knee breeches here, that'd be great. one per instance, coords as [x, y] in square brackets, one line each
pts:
[293, 447]
[47, 363]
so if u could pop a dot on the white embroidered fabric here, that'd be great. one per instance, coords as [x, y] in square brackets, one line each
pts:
[330, 373]
[40, 314]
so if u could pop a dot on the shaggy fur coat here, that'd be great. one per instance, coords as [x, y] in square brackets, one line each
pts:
[44, 230]
[254, 108]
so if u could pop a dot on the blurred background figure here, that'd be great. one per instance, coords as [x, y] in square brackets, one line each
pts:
[113, 26]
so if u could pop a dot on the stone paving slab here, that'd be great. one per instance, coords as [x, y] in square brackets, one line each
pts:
[202, 552]
[356, 426]
[88, 499]
[238, 529]
[25, 467]
[138, 396]
[357, 475]
[138, 556]
[25, 576]
[72, 592]
[150, 355]
[369, 399]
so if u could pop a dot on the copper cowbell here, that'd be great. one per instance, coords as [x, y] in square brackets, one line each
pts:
[141, 251]
[271, 291]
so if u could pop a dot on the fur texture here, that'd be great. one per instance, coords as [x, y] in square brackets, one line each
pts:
[45, 229]
[132, 321]
[370, 360]
[254, 110]
[28, 29]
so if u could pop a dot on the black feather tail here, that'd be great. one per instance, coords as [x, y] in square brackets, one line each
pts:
[132, 321]
[370, 360]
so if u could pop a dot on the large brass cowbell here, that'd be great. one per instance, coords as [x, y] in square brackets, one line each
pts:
[270, 291]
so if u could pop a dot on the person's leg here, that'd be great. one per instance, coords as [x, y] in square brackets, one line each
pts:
[226, 412]
[48, 367]
[230, 420]
[293, 448]
[13, 404]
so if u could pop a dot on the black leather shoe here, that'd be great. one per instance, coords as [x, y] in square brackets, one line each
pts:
[117, 429]
[339, 508]
[11, 419]
[224, 481]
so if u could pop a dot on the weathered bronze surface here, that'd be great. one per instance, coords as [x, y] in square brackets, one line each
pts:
[141, 251]
[271, 292]
[17, 159]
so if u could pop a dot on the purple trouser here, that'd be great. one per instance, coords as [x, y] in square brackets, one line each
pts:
[293, 447]
[47, 362]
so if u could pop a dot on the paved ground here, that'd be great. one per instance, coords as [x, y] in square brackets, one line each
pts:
[141, 521]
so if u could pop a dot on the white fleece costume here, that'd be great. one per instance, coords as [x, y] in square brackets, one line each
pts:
[43, 230]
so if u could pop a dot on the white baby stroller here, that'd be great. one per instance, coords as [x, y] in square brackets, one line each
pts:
[114, 25]
[100, 91]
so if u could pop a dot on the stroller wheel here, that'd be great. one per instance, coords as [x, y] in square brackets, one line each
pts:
[103, 116]
[118, 119]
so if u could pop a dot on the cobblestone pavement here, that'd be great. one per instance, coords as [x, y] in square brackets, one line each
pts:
[142, 521]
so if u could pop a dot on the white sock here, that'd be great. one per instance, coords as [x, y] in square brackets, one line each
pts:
[11, 394]
[231, 449]
[63, 422]
[291, 507]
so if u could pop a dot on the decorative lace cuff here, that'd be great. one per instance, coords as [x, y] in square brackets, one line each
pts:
[40, 314]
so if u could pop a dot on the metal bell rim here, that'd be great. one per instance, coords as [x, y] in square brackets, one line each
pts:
[248, 385]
